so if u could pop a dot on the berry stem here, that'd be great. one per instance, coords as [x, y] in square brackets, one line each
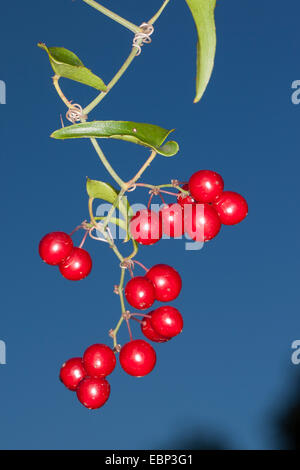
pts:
[129, 329]
[152, 186]
[83, 240]
[140, 264]
[127, 24]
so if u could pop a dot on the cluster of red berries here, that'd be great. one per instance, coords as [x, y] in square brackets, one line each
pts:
[162, 283]
[56, 249]
[200, 214]
[87, 375]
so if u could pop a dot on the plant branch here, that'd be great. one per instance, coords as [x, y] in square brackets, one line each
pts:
[124, 67]
[106, 163]
[123, 309]
[157, 15]
[103, 231]
[59, 91]
[142, 169]
[112, 83]
[127, 24]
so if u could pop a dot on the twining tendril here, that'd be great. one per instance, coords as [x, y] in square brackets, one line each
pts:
[98, 239]
[127, 264]
[143, 37]
[132, 188]
[75, 113]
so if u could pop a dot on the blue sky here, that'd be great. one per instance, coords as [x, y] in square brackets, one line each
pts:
[230, 370]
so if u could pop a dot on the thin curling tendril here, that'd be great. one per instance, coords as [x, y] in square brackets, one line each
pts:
[143, 37]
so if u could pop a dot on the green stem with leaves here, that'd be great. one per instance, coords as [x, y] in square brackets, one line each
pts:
[102, 227]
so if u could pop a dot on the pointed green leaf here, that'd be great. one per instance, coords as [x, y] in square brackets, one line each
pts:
[66, 64]
[147, 135]
[101, 190]
[203, 14]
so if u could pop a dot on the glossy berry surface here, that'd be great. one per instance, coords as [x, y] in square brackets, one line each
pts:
[206, 186]
[148, 330]
[145, 227]
[72, 372]
[140, 292]
[201, 222]
[99, 360]
[167, 321]
[172, 220]
[231, 207]
[182, 199]
[55, 247]
[93, 392]
[137, 358]
[77, 266]
[166, 280]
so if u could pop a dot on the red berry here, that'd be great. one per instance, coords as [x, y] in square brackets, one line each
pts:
[206, 185]
[201, 222]
[182, 199]
[77, 266]
[145, 227]
[166, 280]
[167, 321]
[137, 358]
[99, 360]
[55, 247]
[149, 332]
[231, 207]
[140, 293]
[172, 220]
[93, 392]
[72, 372]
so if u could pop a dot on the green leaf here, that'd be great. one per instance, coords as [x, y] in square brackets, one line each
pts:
[203, 14]
[66, 64]
[101, 190]
[147, 135]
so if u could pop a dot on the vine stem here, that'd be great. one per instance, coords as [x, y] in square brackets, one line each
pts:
[59, 91]
[153, 186]
[123, 309]
[127, 24]
[142, 169]
[104, 233]
[106, 163]
[126, 64]
[126, 186]
[112, 83]
[157, 15]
